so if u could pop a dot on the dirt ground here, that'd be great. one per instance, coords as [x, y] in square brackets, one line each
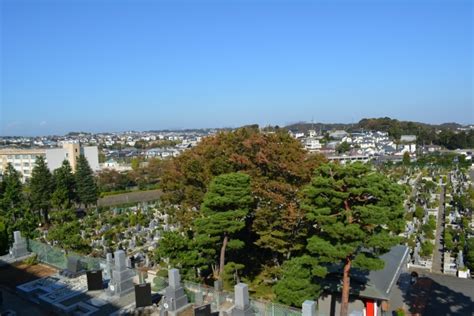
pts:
[19, 273]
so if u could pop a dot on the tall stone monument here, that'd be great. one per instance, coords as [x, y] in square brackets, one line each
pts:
[121, 282]
[175, 299]
[19, 246]
[241, 301]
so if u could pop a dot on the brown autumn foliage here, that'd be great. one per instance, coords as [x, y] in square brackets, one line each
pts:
[278, 167]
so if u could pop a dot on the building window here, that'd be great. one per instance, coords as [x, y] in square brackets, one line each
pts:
[26, 164]
[17, 156]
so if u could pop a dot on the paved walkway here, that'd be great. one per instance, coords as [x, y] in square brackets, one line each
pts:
[438, 249]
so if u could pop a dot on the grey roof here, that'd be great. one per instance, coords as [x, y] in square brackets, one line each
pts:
[374, 284]
[383, 280]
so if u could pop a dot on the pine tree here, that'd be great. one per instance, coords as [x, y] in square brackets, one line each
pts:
[300, 280]
[224, 211]
[12, 189]
[357, 213]
[87, 191]
[13, 207]
[64, 193]
[41, 187]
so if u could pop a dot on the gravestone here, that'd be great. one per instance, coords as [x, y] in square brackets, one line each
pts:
[73, 267]
[19, 246]
[143, 295]
[308, 308]
[204, 310]
[121, 282]
[174, 298]
[241, 301]
[94, 280]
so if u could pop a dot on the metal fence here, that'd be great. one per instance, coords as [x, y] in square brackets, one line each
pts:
[57, 257]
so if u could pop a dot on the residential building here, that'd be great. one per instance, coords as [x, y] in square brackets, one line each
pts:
[23, 160]
[71, 152]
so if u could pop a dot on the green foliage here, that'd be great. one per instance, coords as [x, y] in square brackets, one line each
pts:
[13, 207]
[66, 231]
[419, 212]
[470, 253]
[406, 158]
[343, 147]
[12, 196]
[278, 166]
[181, 252]
[64, 193]
[3, 237]
[224, 212]
[32, 260]
[357, 213]
[87, 191]
[426, 249]
[41, 187]
[299, 281]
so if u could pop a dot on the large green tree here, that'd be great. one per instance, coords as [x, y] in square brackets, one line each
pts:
[181, 252]
[357, 214]
[64, 193]
[300, 280]
[224, 211]
[13, 205]
[41, 188]
[87, 191]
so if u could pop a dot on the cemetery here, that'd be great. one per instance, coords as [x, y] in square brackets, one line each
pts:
[116, 288]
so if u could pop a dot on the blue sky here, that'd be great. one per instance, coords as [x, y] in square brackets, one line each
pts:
[70, 65]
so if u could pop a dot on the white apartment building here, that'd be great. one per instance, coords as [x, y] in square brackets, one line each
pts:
[23, 160]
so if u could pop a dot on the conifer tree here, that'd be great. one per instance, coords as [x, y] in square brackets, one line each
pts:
[87, 191]
[64, 193]
[357, 213]
[12, 189]
[13, 207]
[224, 211]
[41, 187]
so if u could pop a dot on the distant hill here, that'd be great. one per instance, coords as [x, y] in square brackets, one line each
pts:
[446, 134]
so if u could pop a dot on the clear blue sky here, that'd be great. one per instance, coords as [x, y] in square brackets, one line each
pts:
[70, 65]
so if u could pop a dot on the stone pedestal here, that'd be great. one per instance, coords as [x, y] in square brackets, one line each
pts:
[19, 246]
[121, 282]
[241, 301]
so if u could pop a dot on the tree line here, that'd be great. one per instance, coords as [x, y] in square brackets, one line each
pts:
[25, 206]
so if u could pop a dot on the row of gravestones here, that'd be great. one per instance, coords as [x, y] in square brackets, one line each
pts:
[121, 283]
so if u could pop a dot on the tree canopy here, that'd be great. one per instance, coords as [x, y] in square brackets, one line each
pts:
[278, 166]
[357, 214]
[87, 191]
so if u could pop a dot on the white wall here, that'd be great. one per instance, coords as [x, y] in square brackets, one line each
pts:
[55, 158]
[92, 155]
